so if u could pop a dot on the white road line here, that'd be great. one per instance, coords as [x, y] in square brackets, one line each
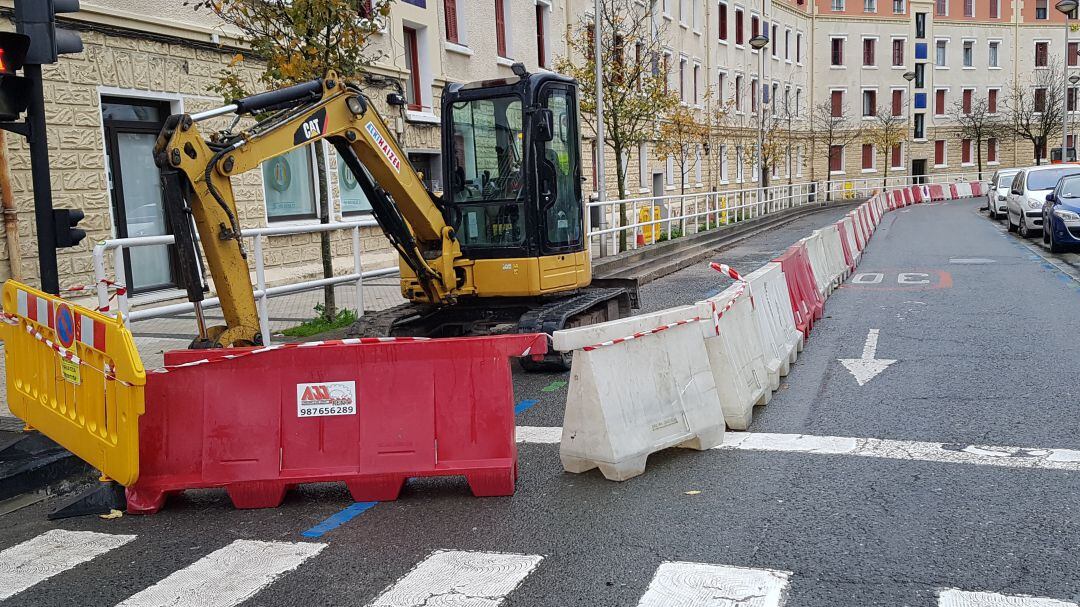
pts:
[226, 577]
[946, 453]
[701, 585]
[453, 577]
[52, 552]
[962, 598]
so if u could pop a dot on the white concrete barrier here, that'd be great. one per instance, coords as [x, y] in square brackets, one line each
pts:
[815, 248]
[628, 400]
[772, 311]
[737, 358]
[834, 254]
[963, 189]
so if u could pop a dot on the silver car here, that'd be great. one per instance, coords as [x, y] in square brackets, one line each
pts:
[999, 192]
[1027, 195]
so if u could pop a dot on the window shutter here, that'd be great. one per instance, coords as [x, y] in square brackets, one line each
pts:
[939, 103]
[897, 103]
[991, 150]
[867, 156]
[723, 22]
[500, 28]
[991, 101]
[896, 156]
[450, 10]
[967, 102]
[837, 104]
[836, 154]
[939, 152]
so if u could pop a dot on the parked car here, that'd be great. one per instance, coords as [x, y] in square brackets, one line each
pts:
[999, 192]
[1061, 216]
[1027, 195]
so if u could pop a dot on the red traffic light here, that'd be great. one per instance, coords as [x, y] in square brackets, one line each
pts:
[13, 49]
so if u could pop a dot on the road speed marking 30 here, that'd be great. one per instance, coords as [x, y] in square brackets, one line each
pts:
[897, 280]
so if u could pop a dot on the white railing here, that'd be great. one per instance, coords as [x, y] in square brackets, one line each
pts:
[840, 187]
[658, 218]
[261, 291]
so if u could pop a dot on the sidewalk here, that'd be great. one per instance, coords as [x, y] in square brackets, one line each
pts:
[154, 336]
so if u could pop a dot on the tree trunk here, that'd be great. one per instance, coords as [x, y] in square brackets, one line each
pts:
[330, 304]
[978, 155]
[620, 177]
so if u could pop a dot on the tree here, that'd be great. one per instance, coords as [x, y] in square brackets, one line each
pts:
[681, 135]
[1034, 108]
[831, 130]
[978, 124]
[299, 40]
[634, 80]
[885, 132]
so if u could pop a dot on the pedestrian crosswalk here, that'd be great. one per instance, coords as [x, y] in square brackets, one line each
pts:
[239, 571]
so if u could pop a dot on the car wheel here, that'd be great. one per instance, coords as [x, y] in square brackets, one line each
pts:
[1055, 246]
[1024, 231]
[1008, 220]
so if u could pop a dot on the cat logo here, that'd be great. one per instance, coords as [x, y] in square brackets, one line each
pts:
[313, 127]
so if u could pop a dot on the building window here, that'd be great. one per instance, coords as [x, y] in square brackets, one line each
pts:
[991, 150]
[1042, 52]
[898, 7]
[941, 8]
[920, 75]
[723, 164]
[966, 100]
[697, 75]
[738, 94]
[941, 48]
[755, 26]
[837, 57]
[720, 77]
[1040, 100]
[682, 79]
[1071, 56]
[798, 47]
[787, 45]
[965, 151]
[898, 52]
[992, 55]
[739, 162]
[838, 6]
[353, 199]
[969, 53]
[969, 8]
[897, 156]
[798, 101]
[753, 95]
[738, 27]
[869, 103]
[870, 6]
[774, 42]
[867, 157]
[995, 9]
[939, 102]
[920, 26]
[837, 104]
[723, 21]
[897, 102]
[836, 159]
[500, 28]
[541, 35]
[939, 153]
[289, 187]
[413, 91]
[451, 15]
[1070, 99]
[1041, 9]
[643, 164]
[992, 101]
[868, 45]
[920, 126]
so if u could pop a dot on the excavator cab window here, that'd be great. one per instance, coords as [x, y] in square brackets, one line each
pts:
[487, 180]
[559, 172]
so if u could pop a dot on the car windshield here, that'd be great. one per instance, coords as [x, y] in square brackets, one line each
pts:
[1046, 180]
[1070, 188]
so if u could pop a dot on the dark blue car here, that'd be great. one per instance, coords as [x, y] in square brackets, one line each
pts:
[1061, 215]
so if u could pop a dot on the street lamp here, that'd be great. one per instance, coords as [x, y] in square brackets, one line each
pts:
[909, 76]
[1065, 7]
[759, 43]
[1068, 118]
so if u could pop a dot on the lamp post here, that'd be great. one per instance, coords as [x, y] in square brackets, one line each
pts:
[601, 183]
[1068, 119]
[909, 76]
[759, 43]
[1065, 7]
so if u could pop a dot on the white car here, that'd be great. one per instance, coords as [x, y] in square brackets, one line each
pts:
[999, 192]
[1027, 195]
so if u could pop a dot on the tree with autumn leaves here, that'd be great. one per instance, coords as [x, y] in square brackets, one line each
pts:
[295, 41]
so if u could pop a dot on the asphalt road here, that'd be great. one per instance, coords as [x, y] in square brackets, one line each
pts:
[986, 355]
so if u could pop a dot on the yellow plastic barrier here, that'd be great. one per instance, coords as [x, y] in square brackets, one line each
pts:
[849, 190]
[650, 231]
[723, 214]
[74, 375]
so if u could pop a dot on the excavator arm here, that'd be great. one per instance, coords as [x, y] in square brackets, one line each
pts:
[196, 177]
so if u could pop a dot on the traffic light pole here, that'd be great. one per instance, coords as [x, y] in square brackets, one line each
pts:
[39, 170]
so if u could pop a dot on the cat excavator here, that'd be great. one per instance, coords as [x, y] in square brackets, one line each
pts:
[502, 249]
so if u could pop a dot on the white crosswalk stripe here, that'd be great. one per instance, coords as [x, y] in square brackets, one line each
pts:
[52, 552]
[961, 598]
[227, 576]
[703, 585]
[454, 577]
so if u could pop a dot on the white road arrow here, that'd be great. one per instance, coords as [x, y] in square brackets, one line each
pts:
[866, 368]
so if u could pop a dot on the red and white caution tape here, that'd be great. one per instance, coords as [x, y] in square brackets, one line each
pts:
[715, 317]
[118, 290]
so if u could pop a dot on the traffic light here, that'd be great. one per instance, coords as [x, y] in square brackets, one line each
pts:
[15, 90]
[37, 19]
[65, 220]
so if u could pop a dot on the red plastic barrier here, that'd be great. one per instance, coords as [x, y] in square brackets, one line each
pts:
[908, 199]
[860, 239]
[917, 194]
[953, 193]
[849, 257]
[898, 199]
[937, 192]
[977, 188]
[806, 302]
[371, 415]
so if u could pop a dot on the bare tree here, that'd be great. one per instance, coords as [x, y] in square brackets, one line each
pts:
[977, 123]
[830, 130]
[885, 132]
[1034, 108]
[634, 79]
[681, 136]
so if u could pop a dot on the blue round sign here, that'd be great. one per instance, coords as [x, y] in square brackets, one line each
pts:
[65, 326]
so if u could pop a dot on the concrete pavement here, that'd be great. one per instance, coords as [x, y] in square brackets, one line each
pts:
[985, 357]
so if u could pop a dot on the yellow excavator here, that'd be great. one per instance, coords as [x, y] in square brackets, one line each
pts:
[503, 249]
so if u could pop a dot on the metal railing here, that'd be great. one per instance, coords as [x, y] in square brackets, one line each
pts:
[635, 222]
[865, 187]
[261, 292]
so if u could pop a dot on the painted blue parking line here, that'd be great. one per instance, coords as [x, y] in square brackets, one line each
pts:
[524, 406]
[339, 519]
